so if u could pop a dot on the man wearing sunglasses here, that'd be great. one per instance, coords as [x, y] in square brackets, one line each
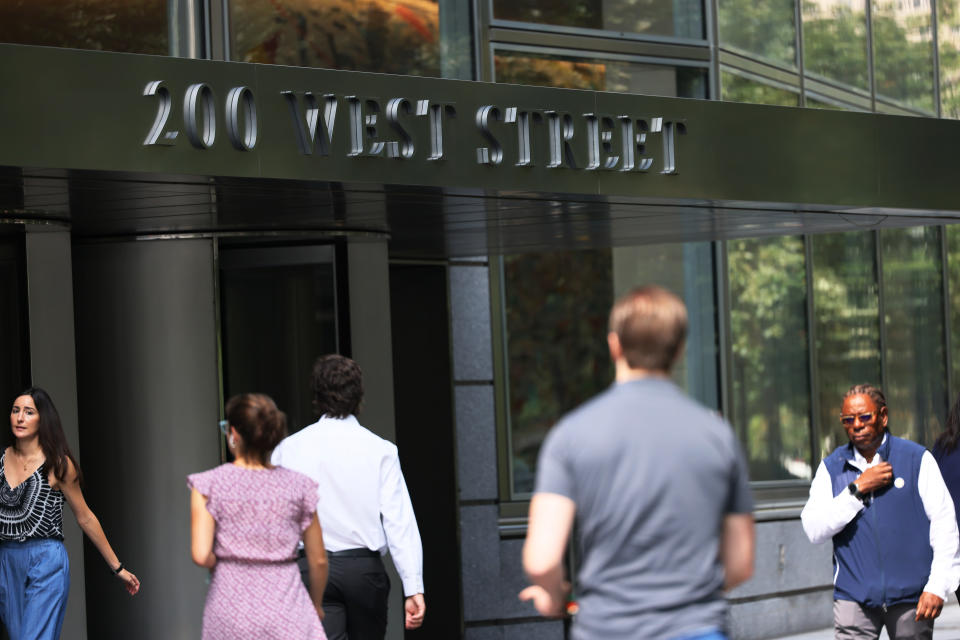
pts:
[883, 502]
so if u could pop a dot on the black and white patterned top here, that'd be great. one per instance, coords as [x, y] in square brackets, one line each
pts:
[32, 509]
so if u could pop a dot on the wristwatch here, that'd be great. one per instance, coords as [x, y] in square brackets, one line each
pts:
[855, 492]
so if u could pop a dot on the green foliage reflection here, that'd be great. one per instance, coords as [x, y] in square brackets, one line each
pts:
[913, 302]
[846, 298]
[903, 55]
[736, 88]
[953, 271]
[948, 23]
[770, 380]
[764, 29]
[835, 44]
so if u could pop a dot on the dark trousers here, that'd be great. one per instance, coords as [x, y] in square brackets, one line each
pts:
[355, 600]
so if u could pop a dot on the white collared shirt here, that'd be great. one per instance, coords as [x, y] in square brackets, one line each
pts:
[825, 515]
[364, 502]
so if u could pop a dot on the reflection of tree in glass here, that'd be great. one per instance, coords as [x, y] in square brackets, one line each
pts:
[766, 29]
[846, 298]
[660, 17]
[548, 72]
[556, 307]
[903, 56]
[913, 305]
[768, 329]
[948, 30]
[953, 274]
[131, 26]
[736, 88]
[835, 45]
[387, 36]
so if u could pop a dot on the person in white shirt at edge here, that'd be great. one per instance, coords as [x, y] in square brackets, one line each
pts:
[884, 503]
[364, 507]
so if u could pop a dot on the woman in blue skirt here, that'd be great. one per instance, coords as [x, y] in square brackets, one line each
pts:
[36, 474]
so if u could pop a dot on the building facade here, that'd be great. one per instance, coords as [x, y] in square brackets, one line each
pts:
[198, 198]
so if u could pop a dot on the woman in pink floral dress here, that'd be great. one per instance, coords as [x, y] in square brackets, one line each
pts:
[246, 520]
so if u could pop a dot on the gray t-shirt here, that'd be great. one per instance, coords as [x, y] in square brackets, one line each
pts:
[652, 474]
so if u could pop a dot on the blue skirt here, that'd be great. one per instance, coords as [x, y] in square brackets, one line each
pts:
[34, 583]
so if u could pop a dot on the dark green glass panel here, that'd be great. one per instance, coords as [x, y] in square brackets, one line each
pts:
[846, 299]
[835, 42]
[903, 52]
[813, 103]
[915, 356]
[953, 275]
[770, 365]
[556, 307]
[948, 32]
[766, 29]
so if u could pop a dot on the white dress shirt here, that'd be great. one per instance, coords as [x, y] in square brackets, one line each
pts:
[364, 501]
[825, 515]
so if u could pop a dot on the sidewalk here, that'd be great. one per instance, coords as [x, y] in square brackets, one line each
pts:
[947, 627]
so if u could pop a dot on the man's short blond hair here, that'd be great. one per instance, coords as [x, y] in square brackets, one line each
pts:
[651, 324]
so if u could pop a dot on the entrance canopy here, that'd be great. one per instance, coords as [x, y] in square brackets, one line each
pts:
[121, 144]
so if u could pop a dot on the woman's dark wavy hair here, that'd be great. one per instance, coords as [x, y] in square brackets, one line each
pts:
[53, 442]
[948, 440]
[259, 422]
[337, 386]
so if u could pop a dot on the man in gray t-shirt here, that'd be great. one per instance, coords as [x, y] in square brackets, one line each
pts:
[658, 488]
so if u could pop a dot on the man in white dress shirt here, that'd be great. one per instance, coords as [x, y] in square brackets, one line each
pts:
[884, 504]
[364, 507]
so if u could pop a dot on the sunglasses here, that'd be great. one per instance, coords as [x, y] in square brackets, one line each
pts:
[223, 426]
[863, 417]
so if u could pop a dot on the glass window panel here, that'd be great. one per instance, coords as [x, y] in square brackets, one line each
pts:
[846, 304]
[953, 271]
[913, 308]
[131, 26]
[765, 29]
[737, 88]
[770, 386]
[600, 75]
[903, 51]
[948, 32]
[388, 36]
[813, 103]
[555, 311]
[681, 18]
[835, 41]
[686, 269]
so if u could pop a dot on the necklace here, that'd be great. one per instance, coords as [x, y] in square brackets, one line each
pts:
[26, 461]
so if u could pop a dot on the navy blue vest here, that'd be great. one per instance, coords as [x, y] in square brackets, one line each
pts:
[882, 557]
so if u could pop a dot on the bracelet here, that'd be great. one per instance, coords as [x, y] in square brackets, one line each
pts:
[117, 571]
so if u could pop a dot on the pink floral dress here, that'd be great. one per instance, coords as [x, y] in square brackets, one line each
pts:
[255, 589]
